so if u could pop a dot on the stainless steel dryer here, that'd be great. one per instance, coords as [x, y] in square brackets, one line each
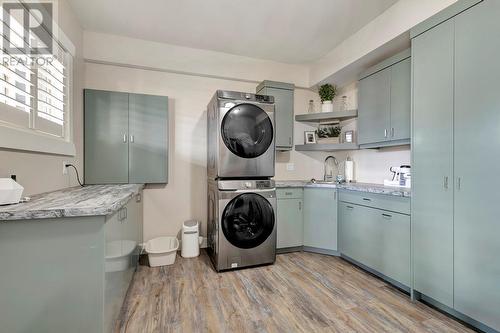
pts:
[240, 135]
[241, 226]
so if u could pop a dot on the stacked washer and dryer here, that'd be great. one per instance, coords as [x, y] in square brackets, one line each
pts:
[241, 227]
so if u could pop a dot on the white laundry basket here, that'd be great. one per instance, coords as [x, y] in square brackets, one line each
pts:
[162, 251]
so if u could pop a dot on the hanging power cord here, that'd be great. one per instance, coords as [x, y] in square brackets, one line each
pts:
[77, 175]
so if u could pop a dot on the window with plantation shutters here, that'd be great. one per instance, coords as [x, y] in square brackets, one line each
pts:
[34, 88]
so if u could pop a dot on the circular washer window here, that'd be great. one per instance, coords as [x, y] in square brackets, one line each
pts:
[248, 220]
[247, 130]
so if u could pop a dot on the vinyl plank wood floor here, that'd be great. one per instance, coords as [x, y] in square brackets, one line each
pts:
[301, 292]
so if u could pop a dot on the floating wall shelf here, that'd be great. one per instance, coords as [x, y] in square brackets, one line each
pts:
[326, 116]
[327, 147]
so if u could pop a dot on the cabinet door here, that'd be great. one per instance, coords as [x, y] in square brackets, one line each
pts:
[394, 245]
[400, 100]
[106, 137]
[477, 147]
[283, 100]
[148, 122]
[432, 168]
[374, 107]
[320, 218]
[290, 223]
[359, 234]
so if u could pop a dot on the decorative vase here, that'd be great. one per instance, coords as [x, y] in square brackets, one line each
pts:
[327, 106]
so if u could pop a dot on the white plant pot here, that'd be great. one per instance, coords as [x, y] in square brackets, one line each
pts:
[327, 106]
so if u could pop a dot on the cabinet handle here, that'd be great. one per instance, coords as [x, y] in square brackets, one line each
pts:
[392, 132]
[385, 133]
[288, 193]
[300, 205]
[459, 183]
[131, 139]
[367, 199]
[349, 207]
[387, 216]
[445, 182]
[125, 138]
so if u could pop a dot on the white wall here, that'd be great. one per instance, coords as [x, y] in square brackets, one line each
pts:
[388, 26]
[43, 172]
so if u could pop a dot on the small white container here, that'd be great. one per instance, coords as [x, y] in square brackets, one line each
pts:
[190, 246]
[162, 251]
[10, 191]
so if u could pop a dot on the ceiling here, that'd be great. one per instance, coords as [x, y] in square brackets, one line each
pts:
[291, 31]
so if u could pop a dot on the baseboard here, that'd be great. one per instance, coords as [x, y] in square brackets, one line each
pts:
[321, 251]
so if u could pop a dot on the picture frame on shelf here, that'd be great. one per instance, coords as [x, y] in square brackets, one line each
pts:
[349, 136]
[309, 137]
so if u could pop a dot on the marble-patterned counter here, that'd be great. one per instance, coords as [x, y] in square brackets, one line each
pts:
[91, 200]
[360, 187]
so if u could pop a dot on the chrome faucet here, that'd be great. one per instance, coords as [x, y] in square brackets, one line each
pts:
[330, 176]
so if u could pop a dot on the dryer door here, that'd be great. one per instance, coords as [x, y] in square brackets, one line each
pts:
[247, 130]
[248, 220]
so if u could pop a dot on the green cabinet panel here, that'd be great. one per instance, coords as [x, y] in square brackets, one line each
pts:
[377, 239]
[106, 137]
[283, 94]
[148, 134]
[477, 155]
[374, 114]
[126, 138]
[432, 166]
[385, 103]
[320, 218]
[401, 100]
[290, 223]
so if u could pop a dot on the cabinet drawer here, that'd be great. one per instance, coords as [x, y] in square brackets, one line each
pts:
[289, 193]
[380, 201]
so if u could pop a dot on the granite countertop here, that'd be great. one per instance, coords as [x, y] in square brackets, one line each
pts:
[360, 187]
[91, 200]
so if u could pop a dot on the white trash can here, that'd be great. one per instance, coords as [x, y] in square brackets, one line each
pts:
[190, 247]
[162, 250]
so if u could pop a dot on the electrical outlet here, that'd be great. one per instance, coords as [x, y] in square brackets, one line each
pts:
[65, 169]
[290, 167]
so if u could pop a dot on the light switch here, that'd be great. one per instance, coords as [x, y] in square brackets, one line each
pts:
[290, 167]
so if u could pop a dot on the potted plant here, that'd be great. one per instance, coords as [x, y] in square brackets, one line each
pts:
[329, 134]
[327, 93]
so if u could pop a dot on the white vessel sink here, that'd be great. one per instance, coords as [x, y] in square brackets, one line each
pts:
[10, 191]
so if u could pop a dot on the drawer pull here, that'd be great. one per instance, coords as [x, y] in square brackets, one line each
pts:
[288, 193]
[387, 216]
[349, 207]
[367, 199]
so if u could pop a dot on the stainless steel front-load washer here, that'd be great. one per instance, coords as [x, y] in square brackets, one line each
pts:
[241, 226]
[240, 135]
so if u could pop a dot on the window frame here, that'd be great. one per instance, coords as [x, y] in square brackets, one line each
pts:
[28, 138]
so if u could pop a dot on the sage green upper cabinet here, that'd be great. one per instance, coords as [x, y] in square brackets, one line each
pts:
[148, 139]
[106, 137]
[290, 218]
[374, 114]
[283, 94]
[432, 166]
[126, 138]
[320, 218]
[477, 151]
[385, 103]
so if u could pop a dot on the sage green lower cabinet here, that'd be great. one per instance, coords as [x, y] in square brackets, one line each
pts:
[320, 218]
[67, 274]
[377, 239]
[290, 218]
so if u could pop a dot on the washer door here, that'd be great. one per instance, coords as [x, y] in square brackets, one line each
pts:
[247, 130]
[248, 220]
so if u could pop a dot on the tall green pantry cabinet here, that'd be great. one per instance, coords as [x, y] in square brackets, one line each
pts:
[456, 122]
[126, 138]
